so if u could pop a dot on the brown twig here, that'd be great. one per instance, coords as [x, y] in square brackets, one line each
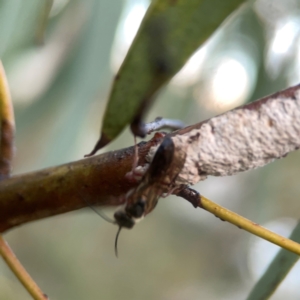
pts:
[99, 179]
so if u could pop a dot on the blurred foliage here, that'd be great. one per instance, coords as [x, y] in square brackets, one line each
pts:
[60, 91]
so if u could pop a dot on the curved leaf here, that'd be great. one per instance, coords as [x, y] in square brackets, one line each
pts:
[169, 34]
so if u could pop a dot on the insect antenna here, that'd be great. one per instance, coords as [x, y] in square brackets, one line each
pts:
[116, 240]
[102, 215]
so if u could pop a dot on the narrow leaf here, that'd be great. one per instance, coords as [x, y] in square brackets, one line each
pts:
[169, 34]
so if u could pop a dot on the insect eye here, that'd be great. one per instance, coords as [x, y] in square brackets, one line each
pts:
[137, 209]
[123, 220]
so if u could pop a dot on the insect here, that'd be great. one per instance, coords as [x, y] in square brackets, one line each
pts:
[158, 181]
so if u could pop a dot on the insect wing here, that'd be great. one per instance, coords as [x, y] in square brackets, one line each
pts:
[161, 161]
[153, 196]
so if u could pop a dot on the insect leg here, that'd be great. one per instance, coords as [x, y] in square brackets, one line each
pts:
[190, 195]
[116, 241]
[135, 175]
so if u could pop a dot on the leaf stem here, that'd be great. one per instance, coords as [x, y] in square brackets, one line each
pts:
[254, 228]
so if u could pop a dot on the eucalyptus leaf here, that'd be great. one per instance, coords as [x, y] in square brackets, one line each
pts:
[169, 34]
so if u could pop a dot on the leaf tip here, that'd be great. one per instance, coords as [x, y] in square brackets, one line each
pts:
[103, 141]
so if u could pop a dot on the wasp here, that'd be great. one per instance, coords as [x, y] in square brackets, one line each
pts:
[158, 181]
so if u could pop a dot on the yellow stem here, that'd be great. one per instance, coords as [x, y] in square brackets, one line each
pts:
[249, 226]
[7, 122]
[7, 126]
[20, 272]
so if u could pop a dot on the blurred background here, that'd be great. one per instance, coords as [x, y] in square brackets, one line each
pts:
[60, 72]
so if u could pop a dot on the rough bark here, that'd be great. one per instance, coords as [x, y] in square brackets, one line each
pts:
[242, 139]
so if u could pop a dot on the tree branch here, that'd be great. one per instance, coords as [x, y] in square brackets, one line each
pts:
[239, 140]
[99, 179]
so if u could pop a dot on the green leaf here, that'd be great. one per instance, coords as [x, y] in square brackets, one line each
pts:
[169, 34]
[276, 272]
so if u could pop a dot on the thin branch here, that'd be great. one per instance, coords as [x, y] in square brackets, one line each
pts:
[20, 272]
[6, 157]
[7, 127]
[247, 137]
[276, 272]
[254, 228]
